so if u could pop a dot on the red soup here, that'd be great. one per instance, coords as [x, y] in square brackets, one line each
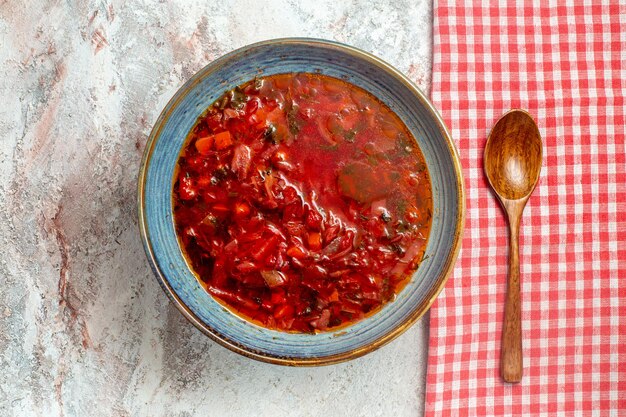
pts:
[302, 202]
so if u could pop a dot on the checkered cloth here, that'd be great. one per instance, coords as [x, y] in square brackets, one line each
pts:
[565, 62]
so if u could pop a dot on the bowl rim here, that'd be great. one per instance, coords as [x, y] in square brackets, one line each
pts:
[214, 334]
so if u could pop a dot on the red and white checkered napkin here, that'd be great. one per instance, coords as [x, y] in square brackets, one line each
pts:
[565, 62]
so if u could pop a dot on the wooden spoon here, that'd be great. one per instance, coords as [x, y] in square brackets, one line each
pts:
[512, 160]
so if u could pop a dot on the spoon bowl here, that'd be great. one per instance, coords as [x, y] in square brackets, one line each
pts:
[513, 157]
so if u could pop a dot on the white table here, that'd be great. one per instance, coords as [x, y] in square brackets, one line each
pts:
[85, 329]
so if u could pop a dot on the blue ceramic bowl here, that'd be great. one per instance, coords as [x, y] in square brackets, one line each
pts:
[156, 180]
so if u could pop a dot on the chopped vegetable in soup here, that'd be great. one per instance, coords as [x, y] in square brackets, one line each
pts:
[302, 202]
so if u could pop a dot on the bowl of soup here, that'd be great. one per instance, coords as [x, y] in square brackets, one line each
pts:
[301, 202]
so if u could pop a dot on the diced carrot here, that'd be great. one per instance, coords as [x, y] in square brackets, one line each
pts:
[222, 140]
[334, 296]
[296, 252]
[315, 241]
[204, 144]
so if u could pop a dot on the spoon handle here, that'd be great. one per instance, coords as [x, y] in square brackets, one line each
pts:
[511, 349]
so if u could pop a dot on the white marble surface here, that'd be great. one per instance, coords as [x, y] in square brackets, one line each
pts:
[85, 329]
